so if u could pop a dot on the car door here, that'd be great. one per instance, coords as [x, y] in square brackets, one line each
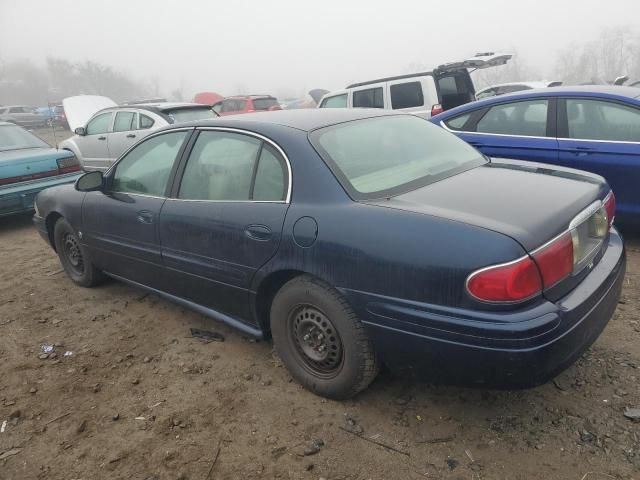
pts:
[120, 224]
[124, 135]
[522, 129]
[603, 136]
[225, 220]
[93, 145]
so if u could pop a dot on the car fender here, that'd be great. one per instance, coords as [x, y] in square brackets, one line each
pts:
[71, 145]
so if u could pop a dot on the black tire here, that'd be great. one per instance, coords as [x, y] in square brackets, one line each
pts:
[320, 339]
[73, 256]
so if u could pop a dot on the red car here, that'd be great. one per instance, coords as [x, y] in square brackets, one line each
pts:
[246, 104]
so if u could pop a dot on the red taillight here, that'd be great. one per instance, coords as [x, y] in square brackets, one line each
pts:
[436, 109]
[68, 164]
[511, 282]
[610, 207]
[555, 260]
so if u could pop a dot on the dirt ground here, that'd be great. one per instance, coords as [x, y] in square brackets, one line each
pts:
[139, 398]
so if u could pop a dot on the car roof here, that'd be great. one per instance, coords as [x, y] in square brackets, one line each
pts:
[252, 97]
[603, 91]
[162, 105]
[307, 119]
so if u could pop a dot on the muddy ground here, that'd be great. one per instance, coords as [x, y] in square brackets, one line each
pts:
[139, 398]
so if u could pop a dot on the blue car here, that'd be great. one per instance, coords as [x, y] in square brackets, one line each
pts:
[28, 165]
[593, 128]
[353, 238]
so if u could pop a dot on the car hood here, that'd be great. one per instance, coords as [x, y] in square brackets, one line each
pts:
[530, 202]
[80, 108]
[28, 161]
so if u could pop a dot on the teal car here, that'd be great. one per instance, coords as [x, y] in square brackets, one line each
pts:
[29, 165]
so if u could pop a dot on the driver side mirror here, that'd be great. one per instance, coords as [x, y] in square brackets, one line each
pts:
[90, 182]
[80, 131]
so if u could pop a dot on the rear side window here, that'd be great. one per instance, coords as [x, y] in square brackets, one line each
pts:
[190, 114]
[16, 110]
[599, 120]
[406, 95]
[337, 101]
[146, 122]
[518, 118]
[124, 121]
[264, 103]
[370, 98]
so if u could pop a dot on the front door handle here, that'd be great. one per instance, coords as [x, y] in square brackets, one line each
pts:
[131, 135]
[102, 138]
[145, 216]
[261, 233]
[582, 150]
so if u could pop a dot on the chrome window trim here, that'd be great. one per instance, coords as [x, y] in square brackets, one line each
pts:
[241, 131]
[598, 141]
[443, 125]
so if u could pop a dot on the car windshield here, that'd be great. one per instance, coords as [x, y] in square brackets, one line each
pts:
[179, 115]
[13, 137]
[386, 156]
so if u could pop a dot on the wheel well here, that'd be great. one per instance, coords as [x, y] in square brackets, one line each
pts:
[50, 222]
[267, 291]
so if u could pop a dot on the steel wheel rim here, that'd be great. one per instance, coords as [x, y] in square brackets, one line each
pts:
[316, 341]
[72, 253]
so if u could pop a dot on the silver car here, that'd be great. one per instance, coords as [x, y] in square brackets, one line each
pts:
[23, 115]
[112, 131]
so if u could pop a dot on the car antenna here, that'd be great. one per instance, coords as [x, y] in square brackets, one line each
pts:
[53, 128]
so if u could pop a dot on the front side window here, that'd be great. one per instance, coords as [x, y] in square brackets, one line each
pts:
[222, 166]
[265, 103]
[337, 101]
[456, 123]
[124, 122]
[370, 98]
[519, 118]
[146, 169]
[406, 95]
[385, 156]
[600, 120]
[99, 124]
[16, 110]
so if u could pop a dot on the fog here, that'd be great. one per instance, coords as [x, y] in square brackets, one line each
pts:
[287, 47]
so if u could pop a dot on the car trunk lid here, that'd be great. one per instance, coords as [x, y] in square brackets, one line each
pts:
[28, 164]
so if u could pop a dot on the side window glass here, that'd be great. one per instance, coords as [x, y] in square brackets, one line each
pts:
[599, 120]
[124, 121]
[270, 176]
[371, 98]
[217, 108]
[146, 168]
[406, 95]
[16, 110]
[518, 118]
[145, 122]
[458, 122]
[220, 167]
[338, 101]
[100, 124]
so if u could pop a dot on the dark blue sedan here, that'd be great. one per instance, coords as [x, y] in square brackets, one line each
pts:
[593, 128]
[352, 238]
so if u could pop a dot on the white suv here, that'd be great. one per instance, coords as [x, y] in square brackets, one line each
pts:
[425, 94]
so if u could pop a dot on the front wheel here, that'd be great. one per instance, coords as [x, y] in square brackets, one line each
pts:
[320, 339]
[73, 256]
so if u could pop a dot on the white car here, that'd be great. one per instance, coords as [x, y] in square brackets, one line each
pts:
[104, 130]
[502, 88]
[425, 94]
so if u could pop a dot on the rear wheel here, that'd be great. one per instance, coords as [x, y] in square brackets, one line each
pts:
[73, 256]
[320, 339]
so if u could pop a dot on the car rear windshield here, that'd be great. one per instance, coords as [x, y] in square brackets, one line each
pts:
[264, 103]
[13, 137]
[179, 115]
[387, 156]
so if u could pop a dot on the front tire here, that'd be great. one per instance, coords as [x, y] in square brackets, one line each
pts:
[320, 339]
[73, 256]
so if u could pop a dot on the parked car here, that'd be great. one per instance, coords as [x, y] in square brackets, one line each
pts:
[424, 94]
[59, 117]
[246, 104]
[112, 131]
[23, 115]
[594, 128]
[28, 165]
[502, 88]
[492, 272]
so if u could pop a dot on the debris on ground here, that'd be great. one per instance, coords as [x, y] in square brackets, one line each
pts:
[9, 453]
[632, 413]
[207, 335]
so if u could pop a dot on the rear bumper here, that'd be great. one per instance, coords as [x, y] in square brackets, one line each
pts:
[515, 349]
[20, 198]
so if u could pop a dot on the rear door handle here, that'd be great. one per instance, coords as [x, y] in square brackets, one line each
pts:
[582, 150]
[131, 135]
[102, 138]
[261, 233]
[145, 216]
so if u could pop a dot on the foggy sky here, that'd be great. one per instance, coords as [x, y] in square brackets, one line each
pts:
[273, 46]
